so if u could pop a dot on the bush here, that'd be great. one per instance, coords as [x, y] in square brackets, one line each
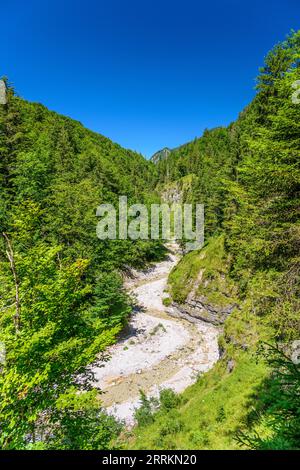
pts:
[171, 426]
[168, 399]
[167, 301]
[144, 414]
[199, 438]
[278, 408]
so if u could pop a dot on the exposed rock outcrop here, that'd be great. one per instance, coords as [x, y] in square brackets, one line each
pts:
[199, 309]
[171, 195]
[3, 98]
[161, 155]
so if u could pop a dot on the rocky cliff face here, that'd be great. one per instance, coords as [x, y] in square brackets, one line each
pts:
[161, 155]
[199, 309]
[171, 195]
[3, 98]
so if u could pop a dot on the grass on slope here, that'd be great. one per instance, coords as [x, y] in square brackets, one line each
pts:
[220, 403]
[209, 413]
[204, 271]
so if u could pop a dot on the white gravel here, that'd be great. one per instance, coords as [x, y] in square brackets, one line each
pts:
[154, 338]
[199, 362]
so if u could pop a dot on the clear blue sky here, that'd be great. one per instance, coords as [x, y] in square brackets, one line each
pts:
[147, 74]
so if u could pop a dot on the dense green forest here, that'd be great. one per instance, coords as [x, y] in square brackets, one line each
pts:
[61, 296]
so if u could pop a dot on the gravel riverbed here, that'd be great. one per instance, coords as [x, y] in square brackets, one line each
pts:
[159, 351]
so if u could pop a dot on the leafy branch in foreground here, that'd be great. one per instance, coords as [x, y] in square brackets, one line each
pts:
[279, 424]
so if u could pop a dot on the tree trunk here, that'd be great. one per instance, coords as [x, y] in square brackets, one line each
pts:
[10, 256]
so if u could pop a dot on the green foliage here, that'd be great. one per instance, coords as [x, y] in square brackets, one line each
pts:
[167, 301]
[199, 168]
[144, 415]
[171, 426]
[184, 275]
[248, 178]
[208, 414]
[168, 399]
[61, 296]
[279, 410]
[151, 407]
[62, 329]
[204, 272]
[80, 423]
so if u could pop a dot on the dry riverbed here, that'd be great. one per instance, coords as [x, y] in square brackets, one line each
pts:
[159, 351]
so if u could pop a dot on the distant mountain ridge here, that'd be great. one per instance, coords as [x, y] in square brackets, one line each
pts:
[161, 155]
[166, 151]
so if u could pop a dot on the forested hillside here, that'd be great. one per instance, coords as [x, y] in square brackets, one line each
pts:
[61, 295]
[62, 301]
[247, 175]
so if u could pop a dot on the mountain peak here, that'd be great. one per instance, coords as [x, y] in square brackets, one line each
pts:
[161, 155]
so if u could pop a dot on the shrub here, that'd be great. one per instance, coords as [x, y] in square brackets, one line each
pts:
[168, 399]
[144, 414]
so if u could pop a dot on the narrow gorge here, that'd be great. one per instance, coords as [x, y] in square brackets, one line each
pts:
[157, 351]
